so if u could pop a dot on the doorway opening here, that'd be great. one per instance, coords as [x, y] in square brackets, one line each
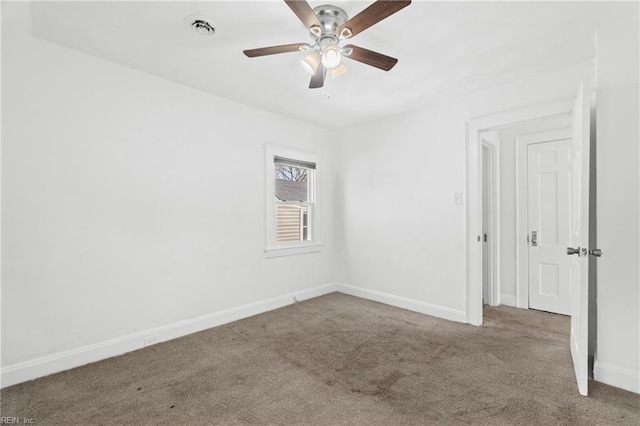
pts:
[479, 129]
[525, 219]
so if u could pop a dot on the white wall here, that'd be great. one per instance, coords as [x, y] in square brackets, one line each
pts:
[401, 238]
[617, 359]
[131, 203]
[507, 136]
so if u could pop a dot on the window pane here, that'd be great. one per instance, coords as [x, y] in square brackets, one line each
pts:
[305, 224]
[291, 183]
[291, 223]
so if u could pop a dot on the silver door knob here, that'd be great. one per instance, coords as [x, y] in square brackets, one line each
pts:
[571, 250]
[595, 252]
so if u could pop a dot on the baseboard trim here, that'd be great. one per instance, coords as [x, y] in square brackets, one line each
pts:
[508, 300]
[403, 302]
[44, 366]
[617, 376]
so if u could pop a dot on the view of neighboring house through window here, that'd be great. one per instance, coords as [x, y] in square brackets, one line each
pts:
[294, 199]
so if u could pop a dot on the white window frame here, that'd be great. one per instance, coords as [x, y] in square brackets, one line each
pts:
[272, 248]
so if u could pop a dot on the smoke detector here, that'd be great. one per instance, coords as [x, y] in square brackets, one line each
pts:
[199, 24]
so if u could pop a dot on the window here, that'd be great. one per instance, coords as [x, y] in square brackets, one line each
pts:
[293, 198]
[291, 202]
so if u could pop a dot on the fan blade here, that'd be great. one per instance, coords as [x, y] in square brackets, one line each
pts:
[371, 16]
[339, 70]
[370, 57]
[272, 50]
[304, 12]
[317, 80]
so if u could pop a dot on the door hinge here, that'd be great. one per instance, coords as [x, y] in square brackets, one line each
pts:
[485, 238]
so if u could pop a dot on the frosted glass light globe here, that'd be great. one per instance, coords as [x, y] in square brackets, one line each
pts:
[331, 57]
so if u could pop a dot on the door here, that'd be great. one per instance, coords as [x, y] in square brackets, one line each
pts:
[579, 236]
[485, 225]
[548, 213]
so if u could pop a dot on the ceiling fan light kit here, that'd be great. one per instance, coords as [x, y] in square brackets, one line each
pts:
[331, 56]
[328, 25]
[311, 61]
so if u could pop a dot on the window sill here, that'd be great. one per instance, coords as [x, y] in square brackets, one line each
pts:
[292, 250]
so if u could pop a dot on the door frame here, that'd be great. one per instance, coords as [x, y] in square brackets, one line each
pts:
[522, 191]
[475, 128]
[493, 182]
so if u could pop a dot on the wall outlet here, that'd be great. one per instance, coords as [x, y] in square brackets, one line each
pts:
[295, 299]
[151, 340]
[457, 198]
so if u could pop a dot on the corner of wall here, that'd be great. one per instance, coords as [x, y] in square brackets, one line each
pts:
[439, 311]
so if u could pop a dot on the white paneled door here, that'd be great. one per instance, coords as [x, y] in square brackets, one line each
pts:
[579, 236]
[549, 215]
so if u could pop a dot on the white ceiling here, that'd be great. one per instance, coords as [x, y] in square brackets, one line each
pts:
[445, 49]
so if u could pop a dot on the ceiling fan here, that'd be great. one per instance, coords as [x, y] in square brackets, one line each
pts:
[328, 25]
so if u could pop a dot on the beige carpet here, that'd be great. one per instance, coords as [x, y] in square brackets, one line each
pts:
[336, 360]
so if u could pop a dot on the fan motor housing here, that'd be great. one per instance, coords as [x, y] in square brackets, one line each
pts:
[331, 18]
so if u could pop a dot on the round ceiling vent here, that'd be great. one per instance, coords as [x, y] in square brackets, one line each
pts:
[199, 24]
